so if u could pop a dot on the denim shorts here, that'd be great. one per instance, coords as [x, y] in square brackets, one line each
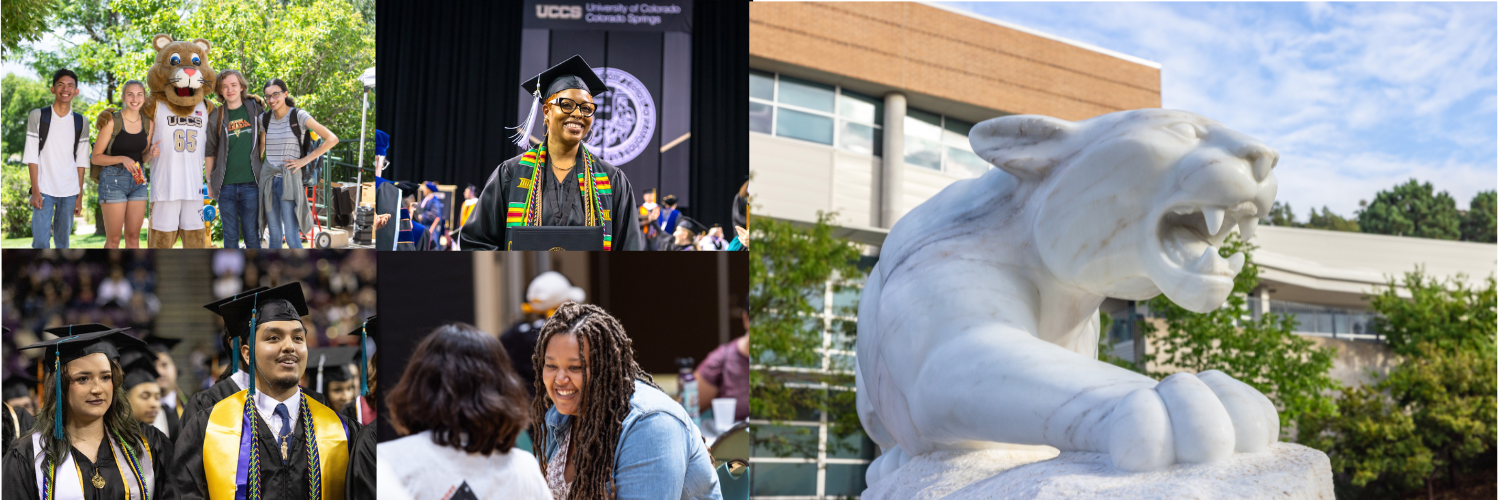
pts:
[117, 186]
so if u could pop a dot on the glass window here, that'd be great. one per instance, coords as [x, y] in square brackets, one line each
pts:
[924, 153]
[761, 85]
[963, 162]
[856, 106]
[859, 138]
[844, 480]
[923, 125]
[956, 133]
[856, 445]
[797, 92]
[769, 439]
[760, 117]
[805, 126]
[783, 479]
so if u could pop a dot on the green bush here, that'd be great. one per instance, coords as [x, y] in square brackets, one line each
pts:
[15, 201]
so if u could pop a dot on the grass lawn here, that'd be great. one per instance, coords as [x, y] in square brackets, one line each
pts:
[83, 237]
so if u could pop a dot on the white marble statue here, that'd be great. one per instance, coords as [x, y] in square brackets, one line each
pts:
[979, 327]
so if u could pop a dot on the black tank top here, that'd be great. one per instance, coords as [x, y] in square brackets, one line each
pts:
[129, 145]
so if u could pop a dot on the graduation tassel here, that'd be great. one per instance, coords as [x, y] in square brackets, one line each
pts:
[57, 424]
[234, 357]
[523, 131]
[363, 361]
[254, 308]
[321, 358]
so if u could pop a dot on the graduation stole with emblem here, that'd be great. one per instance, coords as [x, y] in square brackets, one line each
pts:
[593, 186]
[231, 450]
[137, 474]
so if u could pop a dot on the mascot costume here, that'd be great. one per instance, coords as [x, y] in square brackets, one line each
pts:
[179, 81]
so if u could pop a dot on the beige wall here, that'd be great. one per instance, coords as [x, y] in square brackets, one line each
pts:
[927, 50]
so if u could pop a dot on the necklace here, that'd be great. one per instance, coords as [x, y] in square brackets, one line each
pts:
[98, 481]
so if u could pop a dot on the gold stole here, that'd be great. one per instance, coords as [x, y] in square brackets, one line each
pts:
[221, 447]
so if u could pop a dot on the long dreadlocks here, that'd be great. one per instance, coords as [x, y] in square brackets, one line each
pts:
[611, 371]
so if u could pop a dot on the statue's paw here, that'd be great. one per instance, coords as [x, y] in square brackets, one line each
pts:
[1190, 419]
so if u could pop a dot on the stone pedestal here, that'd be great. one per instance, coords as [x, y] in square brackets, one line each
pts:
[1287, 471]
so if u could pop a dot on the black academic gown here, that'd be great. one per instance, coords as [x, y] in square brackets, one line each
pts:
[359, 484]
[280, 480]
[20, 476]
[486, 227]
[18, 422]
[174, 421]
[204, 400]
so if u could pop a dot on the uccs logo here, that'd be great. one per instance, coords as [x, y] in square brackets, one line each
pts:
[559, 12]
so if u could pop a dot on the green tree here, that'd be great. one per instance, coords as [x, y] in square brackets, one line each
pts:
[1281, 214]
[1412, 209]
[789, 270]
[1330, 221]
[25, 21]
[1262, 352]
[1432, 418]
[1479, 223]
[18, 96]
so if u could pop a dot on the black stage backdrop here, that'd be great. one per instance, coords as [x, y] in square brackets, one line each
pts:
[424, 290]
[449, 76]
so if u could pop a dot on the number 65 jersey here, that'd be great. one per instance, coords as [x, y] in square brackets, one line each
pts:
[177, 174]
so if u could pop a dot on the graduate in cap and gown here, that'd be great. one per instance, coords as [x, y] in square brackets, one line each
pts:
[557, 182]
[18, 407]
[360, 483]
[330, 369]
[269, 441]
[85, 444]
[141, 388]
[231, 380]
[172, 401]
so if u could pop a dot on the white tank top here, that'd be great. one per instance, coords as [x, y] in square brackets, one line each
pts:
[178, 173]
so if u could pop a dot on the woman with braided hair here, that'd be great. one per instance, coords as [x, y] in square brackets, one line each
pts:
[608, 431]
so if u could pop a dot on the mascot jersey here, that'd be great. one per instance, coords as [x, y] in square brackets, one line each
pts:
[178, 173]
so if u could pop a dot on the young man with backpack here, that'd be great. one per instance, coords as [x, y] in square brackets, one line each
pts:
[57, 157]
[234, 159]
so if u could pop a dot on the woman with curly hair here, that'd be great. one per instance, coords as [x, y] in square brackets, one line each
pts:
[461, 407]
[86, 443]
[607, 431]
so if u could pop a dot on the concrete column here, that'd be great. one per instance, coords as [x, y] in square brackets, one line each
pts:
[893, 160]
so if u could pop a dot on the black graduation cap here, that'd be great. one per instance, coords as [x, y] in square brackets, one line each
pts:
[692, 226]
[18, 385]
[331, 364]
[572, 73]
[283, 303]
[139, 365]
[77, 341]
[159, 344]
[230, 344]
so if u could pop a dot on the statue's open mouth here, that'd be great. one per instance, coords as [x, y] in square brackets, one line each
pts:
[1191, 236]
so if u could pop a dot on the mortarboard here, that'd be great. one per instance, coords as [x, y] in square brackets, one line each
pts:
[332, 364]
[231, 344]
[18, 385]
[241, 315]
[139, 365]
[77, 341]
[159, 344]
[572, 73]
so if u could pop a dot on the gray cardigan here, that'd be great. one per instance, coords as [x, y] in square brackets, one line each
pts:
[291, 190]
[253, 109]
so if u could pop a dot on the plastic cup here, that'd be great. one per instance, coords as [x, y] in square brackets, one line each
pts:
[724, 413]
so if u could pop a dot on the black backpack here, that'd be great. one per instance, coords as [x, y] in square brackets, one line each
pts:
[41, 132]
[304, 139]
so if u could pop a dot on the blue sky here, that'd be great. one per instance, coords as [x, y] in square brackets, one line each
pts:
[1357, 97]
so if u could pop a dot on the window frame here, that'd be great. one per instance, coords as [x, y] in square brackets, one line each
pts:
[838, 93]
[943, 160]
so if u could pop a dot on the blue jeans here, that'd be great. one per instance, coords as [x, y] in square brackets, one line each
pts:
[283, 215]
[238, 205]
[53, 221]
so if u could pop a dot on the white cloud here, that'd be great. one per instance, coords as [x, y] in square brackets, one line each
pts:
[1357, 97]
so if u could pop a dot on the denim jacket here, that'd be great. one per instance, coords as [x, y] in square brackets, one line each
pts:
[661, 454]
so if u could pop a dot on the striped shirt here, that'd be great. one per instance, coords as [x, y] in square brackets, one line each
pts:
[281, 145]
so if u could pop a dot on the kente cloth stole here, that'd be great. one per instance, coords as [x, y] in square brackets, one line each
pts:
[231, 452]
[593, 186]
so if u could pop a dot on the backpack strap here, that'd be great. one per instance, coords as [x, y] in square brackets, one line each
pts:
[41, 132]
[119, 119]
[78, 126]
[297, 131]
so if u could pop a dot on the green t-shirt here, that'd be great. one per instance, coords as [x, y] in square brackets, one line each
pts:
[240, 146]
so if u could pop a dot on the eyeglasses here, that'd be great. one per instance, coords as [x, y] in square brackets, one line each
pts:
[568, 105]
[274, 95]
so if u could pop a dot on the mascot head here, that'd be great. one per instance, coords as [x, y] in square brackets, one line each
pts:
[181, 76]
[1136, 203]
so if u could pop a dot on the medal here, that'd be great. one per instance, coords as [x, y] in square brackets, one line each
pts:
[98, 481]
[283, 450]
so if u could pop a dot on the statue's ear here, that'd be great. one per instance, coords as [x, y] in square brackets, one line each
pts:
[202, 44]
[161, 41]
[1023, 145]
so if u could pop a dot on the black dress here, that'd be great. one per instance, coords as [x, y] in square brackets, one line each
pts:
[562, 205]
[280, 479]
[21, 480]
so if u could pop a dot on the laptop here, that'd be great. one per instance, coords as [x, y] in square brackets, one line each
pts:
[557, 238]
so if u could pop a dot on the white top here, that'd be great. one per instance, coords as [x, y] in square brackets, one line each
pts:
[178, 173]
[56, 173]
[266, 405]
[432, 472]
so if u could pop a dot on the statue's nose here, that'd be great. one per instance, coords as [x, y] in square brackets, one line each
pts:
[1261, 157]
